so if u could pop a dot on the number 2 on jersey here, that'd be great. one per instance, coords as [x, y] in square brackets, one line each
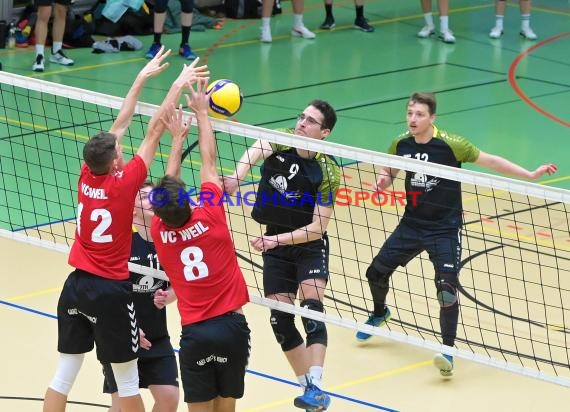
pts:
[98, 235]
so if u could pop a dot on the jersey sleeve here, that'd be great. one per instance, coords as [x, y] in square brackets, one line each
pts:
[393, 148]
[331, 181]
[212, 198]
[463, 149]
[279, 147]
[133, 175]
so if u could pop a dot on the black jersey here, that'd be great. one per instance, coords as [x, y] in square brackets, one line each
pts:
[436, 201]
[290, 188]
[151, 319]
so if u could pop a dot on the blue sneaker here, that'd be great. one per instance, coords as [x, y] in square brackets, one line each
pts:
[444, 363]
[313, 399]
[374, 321]
[186, 52]
[154, 48]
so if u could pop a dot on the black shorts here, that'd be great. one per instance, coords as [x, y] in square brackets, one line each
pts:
[50, 2]
[92, 309]
[285, 267]
[406, 242]
[213, 358]
[153, 370]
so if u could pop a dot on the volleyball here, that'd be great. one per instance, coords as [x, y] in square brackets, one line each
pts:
[225, 99]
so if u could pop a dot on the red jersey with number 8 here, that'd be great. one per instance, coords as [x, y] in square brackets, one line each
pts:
[104, 220]
[200, 260]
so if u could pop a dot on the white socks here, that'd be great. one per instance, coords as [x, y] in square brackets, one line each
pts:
[499, 21]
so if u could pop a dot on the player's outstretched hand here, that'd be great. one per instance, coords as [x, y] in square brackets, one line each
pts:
[160, 298]
[549, 169]
[175, 122]
[230, 184]
[156, 65]
[191, 73]
[200, 99]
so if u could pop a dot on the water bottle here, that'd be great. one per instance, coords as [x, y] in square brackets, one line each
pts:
[12, 36]
[3, 30]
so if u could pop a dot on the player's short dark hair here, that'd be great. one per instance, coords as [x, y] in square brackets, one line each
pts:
[328, 112]
[147, 183]
[99, 152]
[175, 212]
[425, 98]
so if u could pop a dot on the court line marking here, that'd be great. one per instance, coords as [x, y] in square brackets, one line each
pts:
[384, 374]
[515, 86]
[375, 377]
[37, 293]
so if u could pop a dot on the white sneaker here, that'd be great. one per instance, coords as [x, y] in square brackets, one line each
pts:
[60, 58]
[496, 32]
[447, 36]
[38, 65]
[426, 31]
[444, 363]
[266, 34]
[303, 32]
[528, 34]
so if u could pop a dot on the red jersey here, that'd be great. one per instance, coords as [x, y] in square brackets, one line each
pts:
[200, 261]
[104, 220]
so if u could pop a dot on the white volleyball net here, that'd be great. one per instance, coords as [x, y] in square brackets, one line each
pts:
[515, 277]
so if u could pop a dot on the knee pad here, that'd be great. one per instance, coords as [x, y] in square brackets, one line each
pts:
[127, 378]
[286, 333]
[67, 369]
[160, 6]
[315, 329]
[379, 273]
[186, 6]
[446, 286]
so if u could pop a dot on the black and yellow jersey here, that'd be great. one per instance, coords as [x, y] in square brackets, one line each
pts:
[291, 186]
[433, 201]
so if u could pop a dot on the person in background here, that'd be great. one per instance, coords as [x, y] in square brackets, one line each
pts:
[445, 34]
[360, 22]
[298, 30]
[158, 26]
[45, 8]
[526, 31]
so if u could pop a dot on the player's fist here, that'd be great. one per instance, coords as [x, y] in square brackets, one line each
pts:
[160, 298]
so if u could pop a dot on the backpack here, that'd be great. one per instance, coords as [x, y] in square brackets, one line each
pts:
[78, 31]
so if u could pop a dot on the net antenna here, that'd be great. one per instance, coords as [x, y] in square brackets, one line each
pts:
[515, 277]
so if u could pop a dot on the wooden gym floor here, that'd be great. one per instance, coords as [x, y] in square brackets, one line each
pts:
[509, 96]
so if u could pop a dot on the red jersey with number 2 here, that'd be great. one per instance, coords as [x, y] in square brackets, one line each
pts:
[200, 260]
[104, 220]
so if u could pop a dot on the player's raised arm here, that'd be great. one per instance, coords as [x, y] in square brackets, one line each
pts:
[261, 149]
[178, 128]
[151, 69]
[206, 140]
[187, 76]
